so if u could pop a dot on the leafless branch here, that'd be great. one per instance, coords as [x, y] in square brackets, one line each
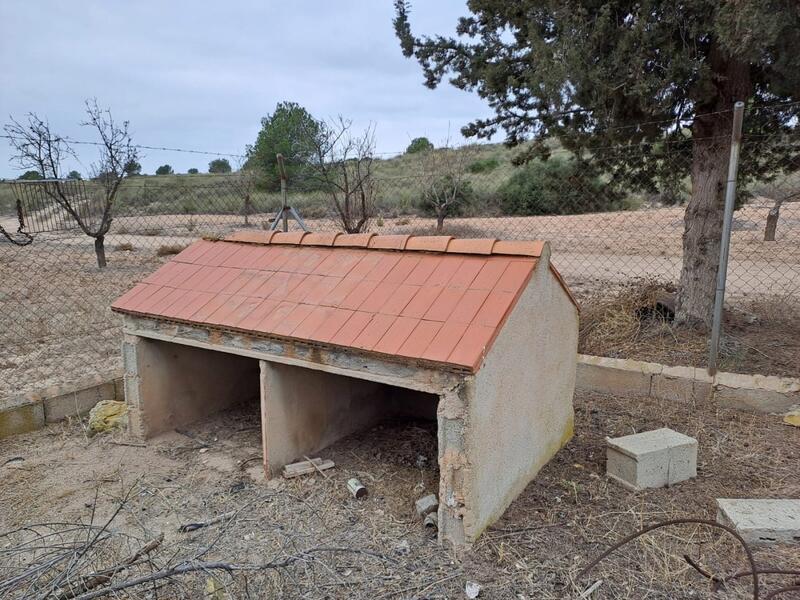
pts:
[37, 147]
[445, 178]
[342, 165]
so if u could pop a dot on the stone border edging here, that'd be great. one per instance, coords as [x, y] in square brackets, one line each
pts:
[759, 393]
[28, 412]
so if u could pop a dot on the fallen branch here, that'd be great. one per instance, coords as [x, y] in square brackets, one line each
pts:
[93, 580]
[200, 524]
[754, 572]
[185, 567]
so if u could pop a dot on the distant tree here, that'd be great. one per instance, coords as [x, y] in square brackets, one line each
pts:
[219, 165]
[30, 176]
[133, 168]
[444, 174]
[420, 144]
[290, 131]
[609, 73]
[74, 175]
[192, 171]
[37, 146]
[342, 166]
[164, 170]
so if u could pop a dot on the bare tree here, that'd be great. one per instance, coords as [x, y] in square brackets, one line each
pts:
[444, 174]
[37, 147]
[342, 165]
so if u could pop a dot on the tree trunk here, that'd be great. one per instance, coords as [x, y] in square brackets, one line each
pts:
[705, 210]
[246, 210]
[772, 221]
[100, 251]
[440, 214]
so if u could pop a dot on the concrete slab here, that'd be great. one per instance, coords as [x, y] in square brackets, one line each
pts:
[762, 521]
[651, 459]
[21, 419]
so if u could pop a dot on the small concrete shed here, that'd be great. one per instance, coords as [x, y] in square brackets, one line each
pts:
[335, 332]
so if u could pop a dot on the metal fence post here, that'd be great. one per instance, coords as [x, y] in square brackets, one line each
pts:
[725, 242]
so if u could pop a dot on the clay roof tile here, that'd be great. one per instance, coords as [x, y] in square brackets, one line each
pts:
[430, 243]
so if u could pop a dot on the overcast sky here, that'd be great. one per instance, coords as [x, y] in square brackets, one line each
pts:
[200, 75]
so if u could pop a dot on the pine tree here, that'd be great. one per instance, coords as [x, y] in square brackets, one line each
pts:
[641, 72]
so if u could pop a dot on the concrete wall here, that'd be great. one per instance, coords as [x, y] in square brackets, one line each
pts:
[519, 406]
[170, 385]
[304, 411]
[30, 411]
[757, 393]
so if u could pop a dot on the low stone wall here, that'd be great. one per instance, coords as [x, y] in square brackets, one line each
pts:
[759, 393]
[20, 414]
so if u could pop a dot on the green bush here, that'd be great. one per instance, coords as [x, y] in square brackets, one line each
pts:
[556, 187]
[483, 165]
[420, 144]
[219, 165]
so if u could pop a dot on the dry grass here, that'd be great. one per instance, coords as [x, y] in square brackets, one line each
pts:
[760, 336]
[124, 247]
[567, 515]
[169, 249]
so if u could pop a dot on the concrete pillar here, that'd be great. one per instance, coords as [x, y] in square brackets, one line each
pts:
[171, 385]
[454, 501]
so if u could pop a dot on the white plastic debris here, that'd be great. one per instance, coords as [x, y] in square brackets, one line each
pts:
[426, 505]
[472, 590]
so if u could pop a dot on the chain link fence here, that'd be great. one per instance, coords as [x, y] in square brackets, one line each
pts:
[613, 231]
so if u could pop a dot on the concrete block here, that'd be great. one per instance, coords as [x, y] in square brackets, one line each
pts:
[756, 400]
[614, 376]
[77, 403]
[651, 459]
[682, 384]
[426, 505]
[21, 419]
[762, 521]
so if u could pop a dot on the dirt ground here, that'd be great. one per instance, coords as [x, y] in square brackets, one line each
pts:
[56, 327]
[377, 547]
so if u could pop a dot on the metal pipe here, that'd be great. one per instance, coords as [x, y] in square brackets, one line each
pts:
[725, 242]
[284, 202]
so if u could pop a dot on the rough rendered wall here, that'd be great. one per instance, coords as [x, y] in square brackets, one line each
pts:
[519, 405]
[306, 410]
[169, 385]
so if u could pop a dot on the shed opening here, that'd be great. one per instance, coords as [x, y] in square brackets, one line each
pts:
[305, 410]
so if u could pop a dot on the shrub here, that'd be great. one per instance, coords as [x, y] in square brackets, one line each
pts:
[219, 165]
[124, 247]
[420, 144]
[483, 165]
[192, 171]
[169, 249]
[556, 187]
[164, 170]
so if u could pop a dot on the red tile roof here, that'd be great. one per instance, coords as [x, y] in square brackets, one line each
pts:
[434, 299]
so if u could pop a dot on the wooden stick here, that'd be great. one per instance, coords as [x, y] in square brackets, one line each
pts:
[313, 464]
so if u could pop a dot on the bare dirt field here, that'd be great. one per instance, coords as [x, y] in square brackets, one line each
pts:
[57, 481]
[55, 325]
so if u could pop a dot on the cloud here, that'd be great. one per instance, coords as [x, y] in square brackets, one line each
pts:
[201, 75]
